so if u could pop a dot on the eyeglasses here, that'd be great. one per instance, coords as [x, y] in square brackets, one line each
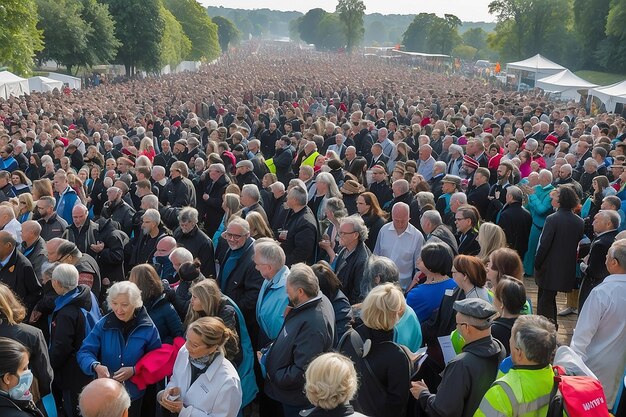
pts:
[458, 219]
[231, 236]
[346, 233]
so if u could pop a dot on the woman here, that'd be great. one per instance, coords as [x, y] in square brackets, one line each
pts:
[204, 382]
[490, 237]
[358, 168]
[350, 192]
[470, 275]
[26, 205]
[335, 210]
[34, 170]
[504, 261]
[402, 152]
[20, 183]
[258, 226]
[331, 384]
[231, 205]
[42, 187]
[12, 315]
[15, 380]
[159, 309]
[591, 206]
[93, 157]
[526, 159]
[146, 149]
[435, 262]
[119, 340]
[208, 301]
[325, 188]
[509, 299]
[331, 288]
[418, 184]
[385, 378]
[374, 217]
[96, 191]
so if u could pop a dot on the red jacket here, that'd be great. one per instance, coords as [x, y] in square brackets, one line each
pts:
[156, 365]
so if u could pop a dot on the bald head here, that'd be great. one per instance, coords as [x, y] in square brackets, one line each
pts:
[31, 230]
[400, 217]
[6, 215]
[166, 245]
[52, 246]
[104, 397]
[79, 215]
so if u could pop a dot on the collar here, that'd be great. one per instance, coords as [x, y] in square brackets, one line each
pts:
[603, 233]
[6, 260]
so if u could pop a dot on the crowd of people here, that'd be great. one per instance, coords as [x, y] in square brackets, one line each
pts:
[283, 230]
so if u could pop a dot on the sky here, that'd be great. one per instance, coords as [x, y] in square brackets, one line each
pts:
[466, 10]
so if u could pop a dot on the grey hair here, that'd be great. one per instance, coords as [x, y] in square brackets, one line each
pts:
[49, 200]
[302, 276]
[188, 215]
[358, 225]
[455, 148]
[337, 207]
[402, 186]
[218, 167]
[460, 197]
[238, 221]
[277, 186]
[425, 197]
[433, 217]
[515, 192]
[125, 287]
[379, 267]
[300, 194]
[153, 215]
[328, 179]
[251, 191]
[158, 168]
[66, 276]
[308, 169]
[440, 165]
[151, 200]
[548, 173]
[182, 254]
[114, 408]
[613, 217]
[536, 337]
[270, 252]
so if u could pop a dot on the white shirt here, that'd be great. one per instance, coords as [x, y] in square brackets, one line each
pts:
[15, 228]
[403, 249]
[600, 334]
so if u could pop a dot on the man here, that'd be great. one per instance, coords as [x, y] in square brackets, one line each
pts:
[9, 223]
[17, 272]
[439, 171]
[352, 257]
[600, 334]
[308, 331]
[515, 220]
[161, 259]
[478, 195]
[188, 235]
[6, 187]
[118, 210]
[401, 194]
[379, 186]
[401, 242]
[378, 157]
[82, 231]
[66, 196]
[214, 185]
[251, 201]
[160, 182]
[238, 277]
[497, 192]
[7, 162]
[426, 162]
[466, 220]
[176, 190]
[435, 231]
[385, 143]
[33, 246]
[52, 225]
[268, 140]
[530, 381]
[143, 247]
[269, 260]
[166, 158]
[245, 174]
[104, 396]
[605, 228]
[299, 234]
[468, 376]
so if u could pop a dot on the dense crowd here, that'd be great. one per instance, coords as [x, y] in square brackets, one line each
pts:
[284, 230]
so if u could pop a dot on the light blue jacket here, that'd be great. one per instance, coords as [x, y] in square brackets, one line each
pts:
[271, 305]
[540, 205]
[407, 331]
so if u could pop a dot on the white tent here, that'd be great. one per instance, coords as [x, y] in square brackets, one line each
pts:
[610, 95]
[43, 84]
[566, 83]
[532, 69]
[12, 85]
[73, 82]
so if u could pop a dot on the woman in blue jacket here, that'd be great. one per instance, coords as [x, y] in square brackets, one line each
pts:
[119, 340]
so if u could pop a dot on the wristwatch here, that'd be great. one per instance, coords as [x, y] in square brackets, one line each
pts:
[94, 365]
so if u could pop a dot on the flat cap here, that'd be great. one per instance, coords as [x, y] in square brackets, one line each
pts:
[452, 179]
[475, 307]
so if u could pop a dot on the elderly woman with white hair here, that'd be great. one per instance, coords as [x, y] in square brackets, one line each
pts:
[119, 340]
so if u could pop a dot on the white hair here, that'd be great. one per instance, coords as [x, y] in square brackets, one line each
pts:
[125, 287]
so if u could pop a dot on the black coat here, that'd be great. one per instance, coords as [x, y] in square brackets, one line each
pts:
[111, 258]
[211, 208]
[555, 261]
[382, 191]
[374, 224]
[468, 243]
[39, 362]
[443, 234]
[479, 198]
[350, 271]
[302, 237]
[596, 264]
[516, 222]
[19, 275]
[177, 193]
[435, 185]
[16, 408]
[67, 333]
[282, 161]
[308, 330]
[37, 256]
[165, 161]
[200, 246]
[122, 213]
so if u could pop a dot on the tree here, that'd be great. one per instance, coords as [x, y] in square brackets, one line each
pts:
[590, 18]
[331, 36]
[611, 52]
[351, 14]
[19, 36]
[227, 33]
[465, 52]
[309, 24]
[198, 27]
[432, 34]
[476, 38]
[139, 25]
[175, 45]
[102, 45]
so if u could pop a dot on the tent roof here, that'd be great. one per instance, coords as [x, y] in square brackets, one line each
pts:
[422, 54]
[6, 76]
[613, 90]
[45, 79]
[536, 62]
[566, 79]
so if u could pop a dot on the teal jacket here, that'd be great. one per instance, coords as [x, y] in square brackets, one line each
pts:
[408, 332]
[271, 305]
[539, 204]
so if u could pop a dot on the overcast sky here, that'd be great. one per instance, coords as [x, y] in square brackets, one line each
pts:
[466, 10]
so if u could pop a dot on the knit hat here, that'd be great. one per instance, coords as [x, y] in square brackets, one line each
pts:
[552, 140]
[471, 162]
[352, 187]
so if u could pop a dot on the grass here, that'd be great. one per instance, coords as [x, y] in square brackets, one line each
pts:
[601, 78]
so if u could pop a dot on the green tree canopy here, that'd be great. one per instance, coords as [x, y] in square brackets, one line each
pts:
[19, 36]
[331, 36]
[465, 52]
[476, 38]
[432, 34]
[198, 27]
[309, 24]
[227, 33]
[351, 14]
[175, 45]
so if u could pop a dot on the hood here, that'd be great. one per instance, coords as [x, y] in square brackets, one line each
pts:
[105, 226]
[486, 347]
[80, 297]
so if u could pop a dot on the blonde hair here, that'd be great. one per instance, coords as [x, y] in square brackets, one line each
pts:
[213, 332]
[257, 222]
[382, 307]
[210, 297]
[11, 309]
[490, 237]
[330, 381]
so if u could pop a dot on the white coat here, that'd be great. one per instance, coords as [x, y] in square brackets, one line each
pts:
[216, 393]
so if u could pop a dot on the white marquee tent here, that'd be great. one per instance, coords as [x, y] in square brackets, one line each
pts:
[610, 95]
[532, 69]
[12, 85]
[43, 84]
[566, 83]
[73, 82]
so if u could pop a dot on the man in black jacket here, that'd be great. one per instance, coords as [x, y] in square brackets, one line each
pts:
[214, 183]
[308, 330]
[33, 246]
[469, 375]
[118, 210]
[478, 196]
[17, 272]
[166, 158]
[268, 140]
[515, 220]
[299, 235]
[190, 237]
[352, 258]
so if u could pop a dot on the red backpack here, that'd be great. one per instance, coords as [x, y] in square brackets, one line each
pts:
[576, 396]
